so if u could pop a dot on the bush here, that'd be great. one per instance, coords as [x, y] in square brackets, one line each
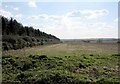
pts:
[40, 57]
[41, 43]
[38, 40]
[26, 66]
[28, 39]
[21, 43]
[7, 46]
[91, 54]
[9, 39]
[33, 39]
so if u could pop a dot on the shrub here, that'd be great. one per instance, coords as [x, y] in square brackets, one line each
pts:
[7, 46]
[91, 54]
[33, 39]
[21, 43]
[38, 40]
[28, 39]
[41, 43]
[9, 39]
[82, 66]
[26, 66]
[40, 57]
[21, 76]
[11, 60]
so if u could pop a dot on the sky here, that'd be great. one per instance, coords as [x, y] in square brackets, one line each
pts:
[66, 20]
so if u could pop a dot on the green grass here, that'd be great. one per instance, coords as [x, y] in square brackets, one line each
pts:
[62, 64]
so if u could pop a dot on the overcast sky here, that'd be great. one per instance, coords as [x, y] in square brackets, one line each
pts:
[66, 20]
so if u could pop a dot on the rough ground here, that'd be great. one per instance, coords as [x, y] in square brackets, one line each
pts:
[66, 63]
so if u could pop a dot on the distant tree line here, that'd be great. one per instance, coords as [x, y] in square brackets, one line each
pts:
[14, 35]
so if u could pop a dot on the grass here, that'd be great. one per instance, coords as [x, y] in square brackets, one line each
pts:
[66, 63]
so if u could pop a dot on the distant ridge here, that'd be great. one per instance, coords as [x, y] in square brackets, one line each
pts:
[94, 40]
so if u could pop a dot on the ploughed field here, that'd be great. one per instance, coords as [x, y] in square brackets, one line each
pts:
[65, 63]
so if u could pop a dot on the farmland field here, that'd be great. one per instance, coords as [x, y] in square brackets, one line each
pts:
[65, 63]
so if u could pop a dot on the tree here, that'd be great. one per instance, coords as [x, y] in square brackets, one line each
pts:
[4, 25]
[10, 26]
